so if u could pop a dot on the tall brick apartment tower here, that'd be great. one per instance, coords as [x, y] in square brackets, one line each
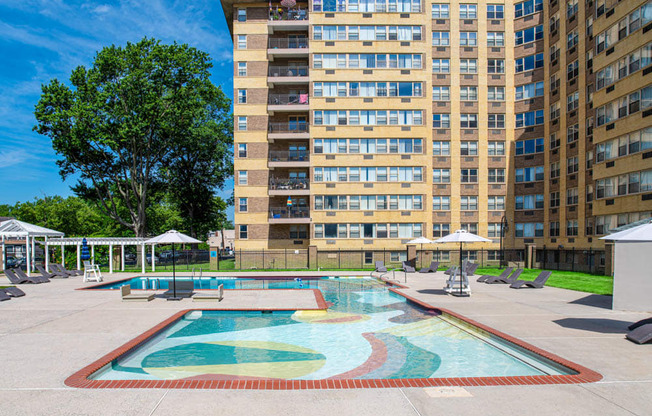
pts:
[361, 124]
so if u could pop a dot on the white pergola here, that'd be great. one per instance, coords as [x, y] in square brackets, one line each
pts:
[20, 229]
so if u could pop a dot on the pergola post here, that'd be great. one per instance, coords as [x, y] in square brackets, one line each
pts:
[78, 257]
[4, 254]
[63, 255]
[122, 257]
[110, 258]
[144, 258]
[47, 254]
[153, 261]
[33, 252]
[92, 254]
[28, 255]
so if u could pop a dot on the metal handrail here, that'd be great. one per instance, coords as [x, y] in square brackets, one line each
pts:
[288, 71]
[289, 156]
[288, 99]
[289, 212]
[280, 127]
[288, 183]
[288, 43]
[282, 14]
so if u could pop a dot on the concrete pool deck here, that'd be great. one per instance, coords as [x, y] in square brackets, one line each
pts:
[56, 330]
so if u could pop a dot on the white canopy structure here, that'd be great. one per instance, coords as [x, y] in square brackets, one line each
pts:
[20, 229]
[104, 241]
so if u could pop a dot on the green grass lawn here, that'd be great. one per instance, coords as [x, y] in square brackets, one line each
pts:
[582, 282]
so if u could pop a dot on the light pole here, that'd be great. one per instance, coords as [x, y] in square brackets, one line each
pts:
[504, 227]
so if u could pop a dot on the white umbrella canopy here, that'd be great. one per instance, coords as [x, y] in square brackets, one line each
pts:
[420, 240]
[171, 237]
[462, 236]
[642, 232]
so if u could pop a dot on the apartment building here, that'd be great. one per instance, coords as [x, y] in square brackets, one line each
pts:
[361, 124]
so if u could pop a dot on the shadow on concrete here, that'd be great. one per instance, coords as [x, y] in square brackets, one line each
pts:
[603, 326]
[433, 292]
[598, 301]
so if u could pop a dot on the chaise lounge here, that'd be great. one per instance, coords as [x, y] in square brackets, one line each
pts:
[505, 280]
[15, 279]
[503, 275]
[33, 279]
[127, 296]
[641, 334]
[434, 265]
[49, 275]
[208, 297]
[14, 292]
[185, 289]
[537, 283]
[407, 268]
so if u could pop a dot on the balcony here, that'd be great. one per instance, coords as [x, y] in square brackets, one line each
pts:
[289, 215]
[289, 186]
[289, 159]
[284, 74]
[284, 20]
[284, 130]
[287, 47]
[287, 102]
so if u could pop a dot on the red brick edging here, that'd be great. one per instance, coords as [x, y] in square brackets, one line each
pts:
[80, 378]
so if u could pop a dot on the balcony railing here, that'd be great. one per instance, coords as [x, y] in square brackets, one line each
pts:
[281, 184]
[289, 212]
[288, 127]
[288, 71]
[288, 43]
[288, 99]
[289, 156]
[283, 14]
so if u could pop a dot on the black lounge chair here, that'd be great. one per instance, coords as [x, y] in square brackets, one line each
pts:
[505, 280]
[15, 279]
[14, 292]
[407, 268]
[503, 275]
[48, 275]
[33, 279]
[434, 265]
[641, 335]
[57, 268]
[640, 323]
[471, 268]
[380, 267]
[537, 283]
[185, 289]
[449, 270]
[4, 296]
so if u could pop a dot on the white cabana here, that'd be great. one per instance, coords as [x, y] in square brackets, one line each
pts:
[632, 290]
[105, 241]
[21, 229]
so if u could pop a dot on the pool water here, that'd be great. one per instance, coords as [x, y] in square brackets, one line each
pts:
[367, 333]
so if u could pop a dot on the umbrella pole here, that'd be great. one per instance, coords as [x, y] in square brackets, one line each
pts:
[174, 273]
[461, 270]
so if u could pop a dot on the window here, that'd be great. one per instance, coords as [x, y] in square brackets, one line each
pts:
[496, 66]
[531, 118]
[624, 106]
[440, 38]
[628, 65]
[529, 63]
[496, 176]
[496, 203]
[554, 199]
[496, 148]
[469, 176]
[496, 39]
[470, 227]
[555, 170]
[528, 229]
[572, 133]
[441, 175]
[571, 8]
[242, 207]
[441, 66]
[441, 203]
[555, 111]
[469, 121]
[529, 35]
[440, 11]
[572, 196]
[572, 165]
[242, 177]
[440, 148]
[469, 66]
[440, 230]
[527, 7]
[572, 70]
[441, 121]
[242, 123]
[572, 39]
[441, 93]
[529, 146]
[242, 41]
[496, 121]
[468, 11]
[572, 101]
[571, 228]
[298, 232]
[468, 38]
[495, 11]
[554, 229]
[243, 232]
[554, 141]
[469, 203]
[469, 148]
[532, 174]
[242, 15]
[242, 96]
[242, 150]
[493, 230]
[496, 94]
[469, 93]
[528, 202]
[242, 69]
[527, 91]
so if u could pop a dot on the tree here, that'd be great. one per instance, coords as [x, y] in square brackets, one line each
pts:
[127, 119]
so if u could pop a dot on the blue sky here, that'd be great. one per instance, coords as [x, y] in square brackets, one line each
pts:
[45, 39]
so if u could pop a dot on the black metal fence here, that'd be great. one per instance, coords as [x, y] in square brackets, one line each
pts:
[269, 259]
[571, 259]
[485, 258]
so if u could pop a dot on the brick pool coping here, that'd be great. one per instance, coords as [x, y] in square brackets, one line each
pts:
[80, 378]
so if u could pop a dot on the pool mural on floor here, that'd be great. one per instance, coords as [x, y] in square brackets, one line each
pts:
[368, 332]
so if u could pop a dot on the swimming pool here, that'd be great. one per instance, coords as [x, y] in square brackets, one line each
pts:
[368, 333]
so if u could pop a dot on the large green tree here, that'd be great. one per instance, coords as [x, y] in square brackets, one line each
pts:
[127, 122]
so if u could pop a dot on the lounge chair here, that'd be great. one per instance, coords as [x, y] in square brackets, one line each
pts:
[450, 270]
[503, 275]
[207, 297]
[185, 289]
[15, 279]
[34, 279]
[471, 268]
[49, 275]
[127, 296]
[57, 268]
[537, 283]
[14, 292]
[92, 272]
[407, 268]
[4, 296]
[434, 265]
[640, 323]
[507, 280]
[380, 267]
[640, 335]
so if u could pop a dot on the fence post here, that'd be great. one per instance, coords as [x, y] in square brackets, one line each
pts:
[263, 259]
[573, 260]
[339, 258]
[543, 267]
[362, 258]
[286, 258]
[591, 260]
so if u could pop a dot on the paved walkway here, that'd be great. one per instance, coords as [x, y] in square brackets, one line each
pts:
[56, 330]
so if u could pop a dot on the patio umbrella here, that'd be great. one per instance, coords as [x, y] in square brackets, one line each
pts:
[85, 253]
[421, 241]
[462, 236]
[172, 237]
